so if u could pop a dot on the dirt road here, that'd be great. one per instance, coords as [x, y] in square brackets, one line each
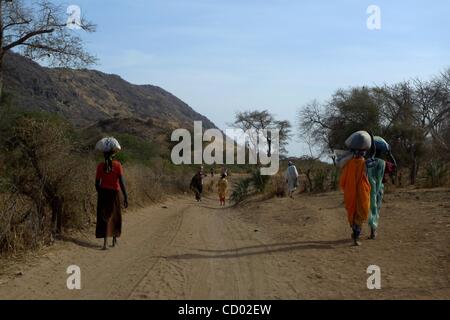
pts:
[273, 249]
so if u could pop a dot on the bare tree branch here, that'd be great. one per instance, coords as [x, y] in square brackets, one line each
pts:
[40, 31]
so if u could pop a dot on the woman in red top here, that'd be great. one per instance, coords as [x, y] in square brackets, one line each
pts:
[109, 182]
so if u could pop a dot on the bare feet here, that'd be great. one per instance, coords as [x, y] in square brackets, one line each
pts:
[356, 241]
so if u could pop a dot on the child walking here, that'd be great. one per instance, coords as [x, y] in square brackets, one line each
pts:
[222, 188]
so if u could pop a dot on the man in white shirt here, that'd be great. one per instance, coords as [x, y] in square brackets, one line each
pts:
[291, 178]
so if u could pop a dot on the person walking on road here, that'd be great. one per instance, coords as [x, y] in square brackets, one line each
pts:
[291, 178]
[222, 188]
[109, 182]
[375, 173]
[377, 170]
[356, 187]
[197, 184]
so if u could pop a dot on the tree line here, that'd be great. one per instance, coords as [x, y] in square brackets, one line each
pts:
[413, 116]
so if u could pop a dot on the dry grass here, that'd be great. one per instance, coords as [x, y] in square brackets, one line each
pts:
[277, 186]
[15, 234]
[49, 171]
[144, 185]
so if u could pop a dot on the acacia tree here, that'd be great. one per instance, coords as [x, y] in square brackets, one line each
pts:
[315, 129]
[261, 121]
[415, 115]
[443, 135]
[328, 125]
[434, 106]
[40, 31]
[402, 124]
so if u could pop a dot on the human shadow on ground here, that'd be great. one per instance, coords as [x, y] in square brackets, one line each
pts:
[80, 242]
[258, 250]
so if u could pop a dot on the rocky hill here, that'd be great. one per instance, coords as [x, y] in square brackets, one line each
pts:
[86, 97]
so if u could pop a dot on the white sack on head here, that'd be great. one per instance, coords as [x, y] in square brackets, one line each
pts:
[359, 140]
[108, 144]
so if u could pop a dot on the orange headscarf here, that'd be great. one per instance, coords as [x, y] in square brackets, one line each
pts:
[356, 187]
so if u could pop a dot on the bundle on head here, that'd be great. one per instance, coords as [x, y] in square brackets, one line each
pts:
[360, 141]
[358, 144]
[383, 148]
[109, 146]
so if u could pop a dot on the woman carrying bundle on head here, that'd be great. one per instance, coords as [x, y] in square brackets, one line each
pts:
[355, 184]
[376, 167]
[109, 182]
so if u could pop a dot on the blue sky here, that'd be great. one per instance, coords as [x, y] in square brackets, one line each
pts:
[229, 55]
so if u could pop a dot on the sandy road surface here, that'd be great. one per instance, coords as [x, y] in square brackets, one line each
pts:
[274, 249]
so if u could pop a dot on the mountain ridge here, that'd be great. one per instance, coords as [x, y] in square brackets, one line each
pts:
[85, 96]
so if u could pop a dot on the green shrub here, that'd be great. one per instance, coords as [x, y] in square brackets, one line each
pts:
[436, 174]
[136, 150]
[319, 180]
[48, 167]
[240, 190]
[259, 181]
[334, 179]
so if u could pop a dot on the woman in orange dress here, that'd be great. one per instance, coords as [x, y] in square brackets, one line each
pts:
[356, 187]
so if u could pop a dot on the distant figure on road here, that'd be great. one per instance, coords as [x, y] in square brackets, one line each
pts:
[212, 172]
[222, 188]
[109, 182]
[197, 184]
[389, 172]
[224, 171]
[291, 178]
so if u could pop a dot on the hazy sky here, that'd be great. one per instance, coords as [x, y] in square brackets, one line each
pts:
[229, 55]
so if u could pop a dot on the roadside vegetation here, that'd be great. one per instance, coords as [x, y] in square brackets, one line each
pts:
[413, 116]
[47, 177]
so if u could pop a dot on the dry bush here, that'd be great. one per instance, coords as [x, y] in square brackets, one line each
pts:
[47, 183]
[210, 186]
[15, 232]
[48, 169]
[143, 184]
[177, 181]
[277, 186]
[48, 179]
[80, 197]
